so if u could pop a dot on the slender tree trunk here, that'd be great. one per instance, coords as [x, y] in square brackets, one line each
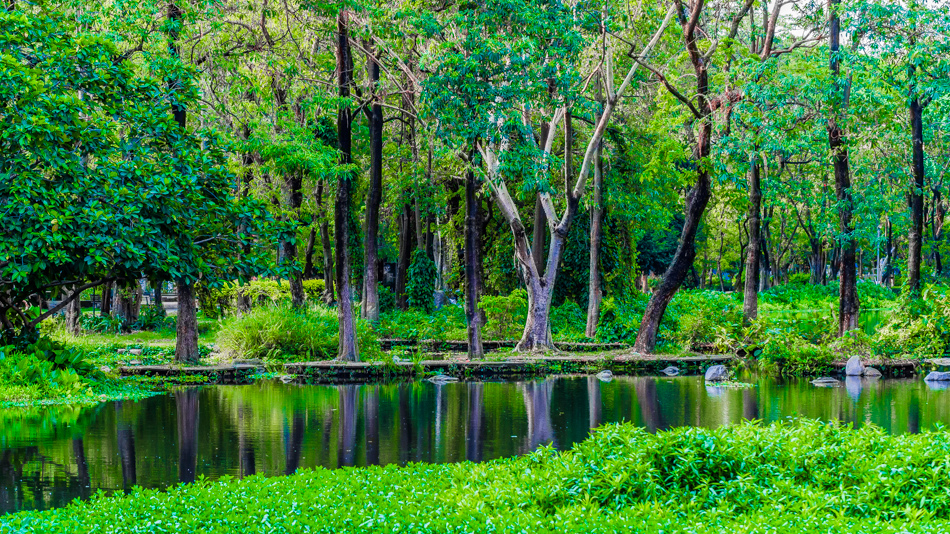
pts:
[247, 160]
[915, 252]
[750, 294]
[696, 200]
[308, 270]
[186, 342]
[472, 314]
[595, 292]
[405, 256]
[293, 199]
[348, 350]
[186, 345]
[374, 195]
[105, 306]
[328, 273]
[849, 306]
[73, 312]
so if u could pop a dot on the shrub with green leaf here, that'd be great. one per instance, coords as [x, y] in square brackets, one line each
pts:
[799, 476]
[421, 281]
[505, 315]
[283, 333]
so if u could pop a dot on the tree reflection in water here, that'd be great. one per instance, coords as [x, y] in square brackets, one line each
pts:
[51, 455]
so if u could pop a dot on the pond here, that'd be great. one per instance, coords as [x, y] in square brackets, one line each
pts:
[51, 455]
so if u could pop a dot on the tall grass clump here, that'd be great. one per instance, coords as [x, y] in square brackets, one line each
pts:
[283, 333]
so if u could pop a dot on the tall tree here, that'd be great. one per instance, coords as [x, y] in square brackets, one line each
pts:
[848, 303]
[348, 350]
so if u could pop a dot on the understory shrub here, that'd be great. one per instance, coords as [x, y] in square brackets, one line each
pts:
[920, 327]
[505, 316]
[420, 286]
[794, 476]
[569, 322]
[445, 324]
[283, 333]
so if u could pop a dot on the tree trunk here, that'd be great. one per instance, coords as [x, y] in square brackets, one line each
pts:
[348, 350]
[126, 301]
[293, 198]
[595, 291]
[696, 200]
[472, 314]
[405, 256]
[328, 271]
[308, 270]
[105, 306]
[73, 312]
[374, 195]
[538, 233]
[750, 294]
[848, 304]
[916, 238]
[186, 341]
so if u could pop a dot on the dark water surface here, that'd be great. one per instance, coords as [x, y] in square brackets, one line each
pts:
[51, 455]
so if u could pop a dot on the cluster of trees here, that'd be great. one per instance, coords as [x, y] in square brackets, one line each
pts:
[564, 147]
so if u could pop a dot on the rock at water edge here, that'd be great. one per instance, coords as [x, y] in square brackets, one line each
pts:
[670, 371]
[854, 367]
[937, 376]
[717, 373]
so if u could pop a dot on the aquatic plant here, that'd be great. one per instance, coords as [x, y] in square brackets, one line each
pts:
[794, 476]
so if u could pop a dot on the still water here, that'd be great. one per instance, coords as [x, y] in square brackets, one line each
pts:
[51, 455]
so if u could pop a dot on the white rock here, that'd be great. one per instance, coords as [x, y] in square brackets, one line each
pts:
[854, 367]
[605, 376]
[717, 373]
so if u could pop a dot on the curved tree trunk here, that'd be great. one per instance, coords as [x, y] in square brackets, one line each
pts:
[696, 200]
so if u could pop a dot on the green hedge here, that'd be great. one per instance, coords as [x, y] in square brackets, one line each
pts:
[803, 476]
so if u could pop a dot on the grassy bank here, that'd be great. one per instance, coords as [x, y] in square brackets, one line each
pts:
[802, 476]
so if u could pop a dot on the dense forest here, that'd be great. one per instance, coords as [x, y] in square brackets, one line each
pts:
[571, 160]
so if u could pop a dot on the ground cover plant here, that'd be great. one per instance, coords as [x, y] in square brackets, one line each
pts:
[795, 476]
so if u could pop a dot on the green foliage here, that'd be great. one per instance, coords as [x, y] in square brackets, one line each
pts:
[569, 322]
[920, 327]
[98, 181]
[445, 324]
[420, 286]
[797, 476]
[283, 333]
[505, 316]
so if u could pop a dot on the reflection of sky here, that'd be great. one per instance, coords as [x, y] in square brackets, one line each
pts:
[50, 456]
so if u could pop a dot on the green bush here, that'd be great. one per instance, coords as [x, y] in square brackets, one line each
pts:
[446, 324]
[569, 322]
[505, 316]
[282, 333]
[920, 327]
[797, 476]
[421, 281]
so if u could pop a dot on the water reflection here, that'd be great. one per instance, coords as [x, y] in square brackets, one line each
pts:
[49, 455]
